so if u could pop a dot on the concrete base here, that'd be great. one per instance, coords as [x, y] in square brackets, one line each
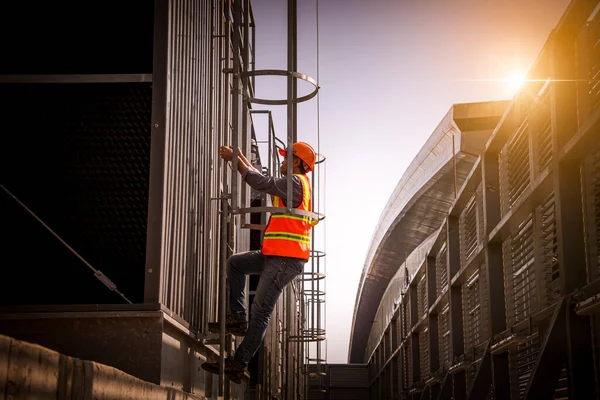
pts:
[29, 371]
[147, 343]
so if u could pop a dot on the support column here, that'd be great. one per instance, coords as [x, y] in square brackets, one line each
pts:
[495, 272]
[569, 214]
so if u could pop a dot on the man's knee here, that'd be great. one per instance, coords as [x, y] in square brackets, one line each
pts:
[232, 264]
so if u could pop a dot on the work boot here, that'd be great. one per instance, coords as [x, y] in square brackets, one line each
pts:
[233, 325]
[233, 369]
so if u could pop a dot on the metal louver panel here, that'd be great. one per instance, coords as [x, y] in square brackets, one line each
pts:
[561, 391]
[472, 312]
[469, 234]
[441, 271]
[591, 168]
[406, 325]
[549, 250]
[408, 362]
[519, 273]
[543, 134]
[522, 361]
[480, 214]
[424, 353]
[593, 74]
[514, 168]
[444, 337]
[422, 306]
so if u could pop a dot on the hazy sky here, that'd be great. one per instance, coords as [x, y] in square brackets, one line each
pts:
[389, 70]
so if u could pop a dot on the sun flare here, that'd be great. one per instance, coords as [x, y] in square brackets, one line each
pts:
[515, 80]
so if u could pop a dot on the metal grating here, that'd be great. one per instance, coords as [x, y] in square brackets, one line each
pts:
[519, 272]
[441, 270]
[521, 364]
[444, 337]
[514, 167]
[422, 306]
[424, 353]
[549, 250]
[543, 134]
[469, 234]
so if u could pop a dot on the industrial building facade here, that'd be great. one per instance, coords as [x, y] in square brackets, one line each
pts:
[482, 278]
[121, 214]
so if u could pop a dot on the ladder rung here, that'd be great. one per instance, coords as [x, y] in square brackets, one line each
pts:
[256, 227]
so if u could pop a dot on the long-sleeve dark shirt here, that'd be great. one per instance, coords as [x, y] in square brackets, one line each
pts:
[274, 186]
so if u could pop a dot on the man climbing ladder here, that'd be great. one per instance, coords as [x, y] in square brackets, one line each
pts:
[285, 250]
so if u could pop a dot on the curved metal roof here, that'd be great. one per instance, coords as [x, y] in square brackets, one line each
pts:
[418, 205]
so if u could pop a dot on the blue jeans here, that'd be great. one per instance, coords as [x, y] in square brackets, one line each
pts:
[275, 273]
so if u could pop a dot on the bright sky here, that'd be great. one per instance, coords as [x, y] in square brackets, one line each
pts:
[389, 70]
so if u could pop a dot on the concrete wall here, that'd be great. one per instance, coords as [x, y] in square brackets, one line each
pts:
[29, 371]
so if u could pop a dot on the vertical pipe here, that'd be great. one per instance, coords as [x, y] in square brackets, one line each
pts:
[224, 206]
[235, 107]
[222, 297]
[291, 115]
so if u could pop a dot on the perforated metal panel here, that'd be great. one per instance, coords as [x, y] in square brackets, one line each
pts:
[78, 155]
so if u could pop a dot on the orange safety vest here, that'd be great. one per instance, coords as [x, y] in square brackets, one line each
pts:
[289, 235]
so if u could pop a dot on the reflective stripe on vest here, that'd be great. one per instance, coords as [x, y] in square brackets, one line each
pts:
[289, 235]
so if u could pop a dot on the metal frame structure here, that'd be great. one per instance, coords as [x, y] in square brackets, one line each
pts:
[198, 88]
[504, 304]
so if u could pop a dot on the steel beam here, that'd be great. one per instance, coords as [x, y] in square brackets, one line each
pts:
[495, 271]
[459, 386]
[483, 377]
[152, 280]
[455, 298]
[446, 388]
[77, 78]
[568, 192]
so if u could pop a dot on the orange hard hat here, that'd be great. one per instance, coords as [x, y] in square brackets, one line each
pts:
[304, 152]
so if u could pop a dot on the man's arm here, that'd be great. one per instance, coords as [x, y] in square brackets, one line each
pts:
[274, 186]
[256, 180]
[226, 153]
